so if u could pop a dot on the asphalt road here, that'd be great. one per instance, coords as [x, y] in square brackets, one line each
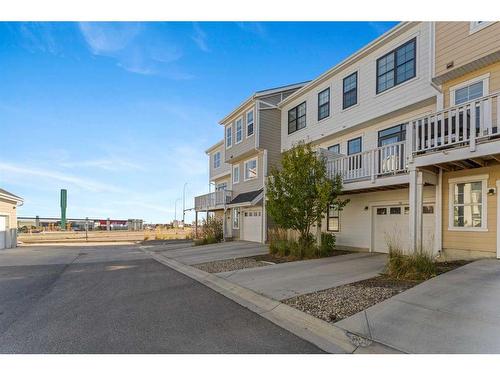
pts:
[116, 299]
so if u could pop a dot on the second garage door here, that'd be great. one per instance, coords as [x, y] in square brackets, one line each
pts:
[252, 225]
[391, 224]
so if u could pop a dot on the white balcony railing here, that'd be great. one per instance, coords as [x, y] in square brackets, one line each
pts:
[212, 201]
[454, 126]
[381, 161]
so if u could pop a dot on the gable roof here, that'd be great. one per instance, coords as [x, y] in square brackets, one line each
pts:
[260, 94]
[7, 195]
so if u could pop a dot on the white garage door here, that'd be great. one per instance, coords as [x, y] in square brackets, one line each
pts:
[391, 224]
[3, 233]
[252, 225]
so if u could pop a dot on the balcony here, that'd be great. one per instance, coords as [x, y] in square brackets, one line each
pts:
[465, 126]
[384, 161]
[213, 201]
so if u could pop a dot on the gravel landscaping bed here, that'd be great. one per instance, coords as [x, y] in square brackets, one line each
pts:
[338, 303]
[229, 265]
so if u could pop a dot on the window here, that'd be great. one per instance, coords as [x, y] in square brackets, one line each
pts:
[324, 104]
[428, 209]
[236, 174]
[354, 146]
[217, 160]
[249, 123]
[236, 218]
[475, 26]
[470, 92]
[221, 186]
[382, 211]
[466, 208]
[239, 130]
[395, 210]
[250, 169]
[297, 118]
[229, 136]
[333, 222]
[335, 148]
[350, 91]
[392, 135]
[397, 66]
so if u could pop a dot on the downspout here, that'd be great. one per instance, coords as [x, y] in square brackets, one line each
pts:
[264, 186]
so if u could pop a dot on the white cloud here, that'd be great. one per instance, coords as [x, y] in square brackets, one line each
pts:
[111, 164]
[83, 183]
[254, 28]
[137, 48]
[200, 38]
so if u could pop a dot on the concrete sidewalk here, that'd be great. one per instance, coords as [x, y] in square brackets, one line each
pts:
[287, 280]
[188, 254]
[457, 312]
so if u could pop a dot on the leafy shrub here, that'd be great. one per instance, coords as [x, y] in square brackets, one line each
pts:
[327, 244]
[211, 232]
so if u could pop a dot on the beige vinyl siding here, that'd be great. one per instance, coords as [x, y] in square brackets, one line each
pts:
[370, 105]
[356, 222]
[226, 179]
[454, 43]
[224, 168]
[494, 81]
[471, 240]
[7, 209]
[270, 135]
[369, 134]
[250, 185]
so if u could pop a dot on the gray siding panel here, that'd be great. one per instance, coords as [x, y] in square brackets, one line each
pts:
[250, 185]
[246, 145]
[270, 135]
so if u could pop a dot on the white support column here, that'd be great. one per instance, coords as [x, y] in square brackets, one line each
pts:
[438, 237]
[415, 199]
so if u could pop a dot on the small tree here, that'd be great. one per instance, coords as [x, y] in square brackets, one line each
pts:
[300, 192]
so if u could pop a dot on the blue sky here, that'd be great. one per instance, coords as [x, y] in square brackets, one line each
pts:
[120, 113]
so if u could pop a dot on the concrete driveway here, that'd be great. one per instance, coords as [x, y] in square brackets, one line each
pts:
[188, 254]
[457, 312]
[287, 280]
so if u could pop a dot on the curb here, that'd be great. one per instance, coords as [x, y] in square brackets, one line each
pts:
[330, 338]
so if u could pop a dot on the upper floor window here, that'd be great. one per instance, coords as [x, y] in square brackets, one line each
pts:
[324, 104]
[397, 66]
[470, 92]
[354, 146]
[236, 174]
[250, 169]
[478, 25]
[391, 135]
[297, 118]
[229, 136]
[249, 123]
[335, 148]
[239, 130]
[217, 160]
[221, 186]
[350, 90]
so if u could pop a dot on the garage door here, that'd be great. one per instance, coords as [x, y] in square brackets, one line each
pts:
[3, 233]
[252, 225]
[391, 225]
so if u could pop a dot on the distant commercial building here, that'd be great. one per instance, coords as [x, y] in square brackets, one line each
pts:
[50, 223]
[8, 230]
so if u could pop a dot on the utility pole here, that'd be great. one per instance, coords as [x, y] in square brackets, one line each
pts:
[184, 203]
[175, 212]
[86, 229]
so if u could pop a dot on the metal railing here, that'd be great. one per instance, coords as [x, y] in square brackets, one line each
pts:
[216, 199]
[456, 126]
[381, 161]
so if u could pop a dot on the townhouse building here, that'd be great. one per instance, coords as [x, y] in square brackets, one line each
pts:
[410, 123]
[239, 164]
[8, 219]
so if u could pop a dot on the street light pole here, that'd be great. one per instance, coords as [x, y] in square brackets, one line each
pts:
[175, 211]
[184, 203]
